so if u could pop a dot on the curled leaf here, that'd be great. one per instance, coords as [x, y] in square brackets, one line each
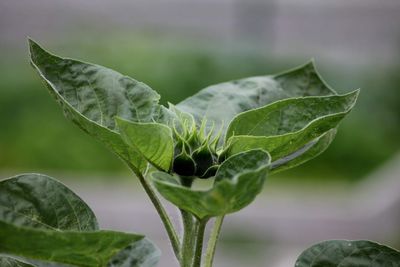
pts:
[152, 140]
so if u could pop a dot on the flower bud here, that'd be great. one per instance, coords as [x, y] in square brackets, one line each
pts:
[184, 165]
[204, 159]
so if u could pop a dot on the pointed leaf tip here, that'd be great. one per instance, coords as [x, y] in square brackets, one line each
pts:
[34, 49]
[91, 96]
[254, 92]
[291, 130]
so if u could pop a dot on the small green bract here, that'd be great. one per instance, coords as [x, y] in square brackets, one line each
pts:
[235, 134]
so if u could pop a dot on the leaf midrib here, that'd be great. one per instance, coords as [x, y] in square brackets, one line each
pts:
[31, 219]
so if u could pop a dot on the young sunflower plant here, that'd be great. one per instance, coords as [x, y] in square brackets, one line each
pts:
[233, 134]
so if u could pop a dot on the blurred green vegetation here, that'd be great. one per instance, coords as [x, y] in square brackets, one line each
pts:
[34, 136]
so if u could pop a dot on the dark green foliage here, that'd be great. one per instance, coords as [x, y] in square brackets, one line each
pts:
[236, 132]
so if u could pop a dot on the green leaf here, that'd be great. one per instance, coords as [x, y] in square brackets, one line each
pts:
[241, 163]
[142, 253]
[220, 103]
[6, 261]
[39, 201]
[288, 128]
[92, 95]
[344, 253]
[233, 189]
[292, 115]
[153, 140]
[86, 249]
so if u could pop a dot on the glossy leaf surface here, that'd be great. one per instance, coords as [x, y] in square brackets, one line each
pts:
[153, 140]
[286, 126]
[289, 115]
[220, 103]
[39, 201]
[232, 190]
[304, 154]
[86, 249]
[92, 96]
[344, 253]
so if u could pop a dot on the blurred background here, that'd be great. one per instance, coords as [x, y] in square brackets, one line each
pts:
[180, 46]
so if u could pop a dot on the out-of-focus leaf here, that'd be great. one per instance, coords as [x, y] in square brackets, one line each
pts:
[153, 140]
[39, 263]
[6, 261]
[142, 253]
[92, 95]
[220, 103]
[86, 249]
[184, 122]
[344, 253]
[233, 189]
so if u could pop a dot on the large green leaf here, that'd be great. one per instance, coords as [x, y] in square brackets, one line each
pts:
[6, 261]
[142, 253]
[233, 189]
[290, 115]
[220, 103]
[153, 140]
[344, 253]
[86, 249]
[39, 201]
[286, 126]
[92, 95]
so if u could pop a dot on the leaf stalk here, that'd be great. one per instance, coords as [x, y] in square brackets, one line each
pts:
[212, 242]
[188, 239]
[172, 235]
[199, 242]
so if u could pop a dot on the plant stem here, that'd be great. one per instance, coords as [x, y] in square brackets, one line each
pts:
[189, 238]
[173, 237]
[212, 242]
[199, 242]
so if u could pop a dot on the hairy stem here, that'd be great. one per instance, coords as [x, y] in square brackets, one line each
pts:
[189, 239]
[199, 242]
[173, 237]
[212, 242]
